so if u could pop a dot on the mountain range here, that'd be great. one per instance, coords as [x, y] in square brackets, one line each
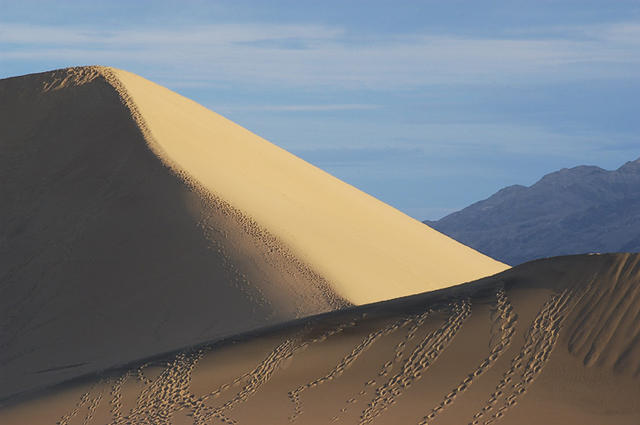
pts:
[571, 211]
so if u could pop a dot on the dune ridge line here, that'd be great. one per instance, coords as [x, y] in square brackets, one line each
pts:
[248, 224]
[338, 236]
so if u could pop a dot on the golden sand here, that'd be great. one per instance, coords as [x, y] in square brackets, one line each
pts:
[367, 250]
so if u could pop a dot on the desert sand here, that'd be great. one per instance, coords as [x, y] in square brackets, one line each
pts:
[554, 341]
[136, 222]
[366, 250]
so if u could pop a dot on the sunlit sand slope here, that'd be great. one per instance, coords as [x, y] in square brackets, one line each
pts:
[136, 222]
[511, 349]
[367, 250]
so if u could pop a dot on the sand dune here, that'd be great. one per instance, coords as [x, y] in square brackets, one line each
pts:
[549, 342]
[136, 222]
[366, 250]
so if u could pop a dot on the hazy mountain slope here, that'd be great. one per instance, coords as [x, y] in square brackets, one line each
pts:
[578, 210]
[554, 341]
[108, 255]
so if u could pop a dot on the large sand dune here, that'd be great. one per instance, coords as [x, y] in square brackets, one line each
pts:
[550, 342]
[135, 221]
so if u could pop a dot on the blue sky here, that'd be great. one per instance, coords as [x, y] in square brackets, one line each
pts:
[427, 105]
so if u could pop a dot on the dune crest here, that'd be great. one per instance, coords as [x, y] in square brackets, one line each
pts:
[367, 250]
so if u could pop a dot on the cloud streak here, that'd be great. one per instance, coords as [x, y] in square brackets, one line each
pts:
[300, 108]
[319, 56]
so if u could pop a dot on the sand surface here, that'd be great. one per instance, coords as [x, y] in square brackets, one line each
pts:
[136, 222]
[366, 250]
[549, 342]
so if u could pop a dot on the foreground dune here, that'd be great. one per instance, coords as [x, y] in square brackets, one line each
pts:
[135, 222]
[550, 342]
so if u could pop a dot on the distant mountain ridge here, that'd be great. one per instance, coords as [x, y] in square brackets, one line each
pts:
[570, 211]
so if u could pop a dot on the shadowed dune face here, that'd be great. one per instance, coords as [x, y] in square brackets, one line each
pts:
[137, 222]
[501, 350]
[107, 256]
[606, 330]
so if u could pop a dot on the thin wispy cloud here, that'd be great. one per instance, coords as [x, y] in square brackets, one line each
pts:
[428, 114]
[298, 108]
[384, 139]
[316, 55]
[195, 35]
